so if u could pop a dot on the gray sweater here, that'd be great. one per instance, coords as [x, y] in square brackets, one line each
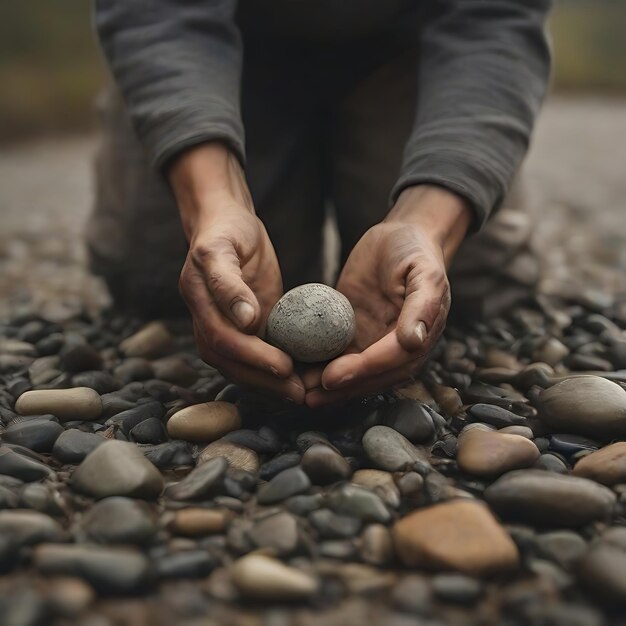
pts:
[483, 70]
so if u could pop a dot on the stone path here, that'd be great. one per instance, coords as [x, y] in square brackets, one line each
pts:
[137, 487]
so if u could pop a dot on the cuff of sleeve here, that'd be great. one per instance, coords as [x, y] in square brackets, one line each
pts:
[458, 175]
[176, 131]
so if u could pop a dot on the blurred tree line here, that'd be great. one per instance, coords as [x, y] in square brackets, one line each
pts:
[50, 67]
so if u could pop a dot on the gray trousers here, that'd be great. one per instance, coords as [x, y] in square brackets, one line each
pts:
[311, 144]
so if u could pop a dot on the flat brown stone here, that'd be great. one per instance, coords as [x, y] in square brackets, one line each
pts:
[204, 422]
[238, 457]
[606, 466]
[196, 522]
[458, 535]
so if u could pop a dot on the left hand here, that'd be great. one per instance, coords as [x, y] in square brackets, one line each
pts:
[395, 279]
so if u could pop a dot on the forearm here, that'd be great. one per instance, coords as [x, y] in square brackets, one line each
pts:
[484, 67]
[177, 64]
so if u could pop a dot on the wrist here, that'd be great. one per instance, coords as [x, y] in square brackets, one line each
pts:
[207, 180]
[444, 216]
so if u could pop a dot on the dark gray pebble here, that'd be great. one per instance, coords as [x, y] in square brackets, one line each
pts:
[127, 420]
[102, 382]
[278, 464]
[74, 445]
[551, 463]
[185, 564]
[330, 525]
[37, 434]
[169, 455]
[495, 415]
[149, 431]
[201, 482]
[21, 466]
[289, 482]
[411, 419]
[568, 445]
[457, 588]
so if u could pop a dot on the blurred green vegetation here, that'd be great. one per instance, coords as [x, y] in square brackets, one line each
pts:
[50, 67]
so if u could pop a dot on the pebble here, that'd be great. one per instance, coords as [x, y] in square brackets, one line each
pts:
[358, 502]
[117, 468]
[330, 525]
[37, 434]
[522, 431]
[549, 499]
[201, 482]
[324, 466]
[413, 594]
[563, 547]
[133, 369]
[602, 571]
[263, 442]
[606, 466]
[381, 483]
[152, 341]
[278, 464]
[79, 403]
[312, 323]
[303, 505]
[100, 382]
[263, 578]
[569, 445]
[495, 415]
[21, 466]
[289, 482]
[79, 357]
[27, 528]
[376, 545]
[185, 564]
[73, 445]
[433, 538]
[457, 589]
[128, 419]
[278, 533]
[484, 453]
[107, 570]
[551, 463]
[411, 419]
[69, 596]
[552, 352]
[197, 522]
[238, 457]
[389, 450]
[174, 370]
[586, 405]
[120, 520]
[170, 454]
[149, 431]
[204, 422]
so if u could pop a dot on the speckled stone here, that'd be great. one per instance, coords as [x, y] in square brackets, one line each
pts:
[312, 323]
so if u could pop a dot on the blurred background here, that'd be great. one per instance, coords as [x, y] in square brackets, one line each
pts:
[50, 69]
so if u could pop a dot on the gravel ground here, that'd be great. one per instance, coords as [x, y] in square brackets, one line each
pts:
[136, 487]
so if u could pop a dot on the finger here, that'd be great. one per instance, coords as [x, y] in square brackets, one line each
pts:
[427, 296]
[219, 265]
[224, 339]
[312, 377]
[384, 355]
[319, 396]
[290, 388]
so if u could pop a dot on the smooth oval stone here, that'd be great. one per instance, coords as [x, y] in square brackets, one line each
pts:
[586, 405]
[289, 482]
[22, 467]
[602, 571]
[312, 323]
[330, 525]
[149, 431]
[376, 545]
[120, 520]
[381, 483]
[197, 522]
[549, 499]
[324, 466]
[358, 502]
[200, 482]
[278, 464]
[551, 352]
[128, 419]
[495, 415]
[263, 578]
[79, 403]
[185, 564]
[133, 369]
[100, 382]
[42, 498]
[569, 445]
[457, 589]
[204, 422]
[170, 454]
[412, 595]
[38, 435]
[263, 442]
[606, 466]
[79, 358]
[117, 468]
[277, 532]
[108, 570]
[563, 547]
[522, 431]
[551, 463]
[73, 445]
[460, 535]
[27, 528]
[152, 341]
[238, 457]
[390, 451]
[484, 453]
[410, 419]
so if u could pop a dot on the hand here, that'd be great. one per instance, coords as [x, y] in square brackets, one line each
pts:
[231, 278]
[395, 279]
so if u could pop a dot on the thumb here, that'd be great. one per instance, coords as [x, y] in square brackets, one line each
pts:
[220, 267]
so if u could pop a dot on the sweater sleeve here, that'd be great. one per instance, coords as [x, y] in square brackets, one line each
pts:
[178, 66]
[483, 72]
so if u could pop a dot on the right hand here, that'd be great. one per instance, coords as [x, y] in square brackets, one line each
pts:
[231, 278]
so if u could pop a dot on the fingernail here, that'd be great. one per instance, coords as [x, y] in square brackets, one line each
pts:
[243, 312]
[345, 380]
[421, 332]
